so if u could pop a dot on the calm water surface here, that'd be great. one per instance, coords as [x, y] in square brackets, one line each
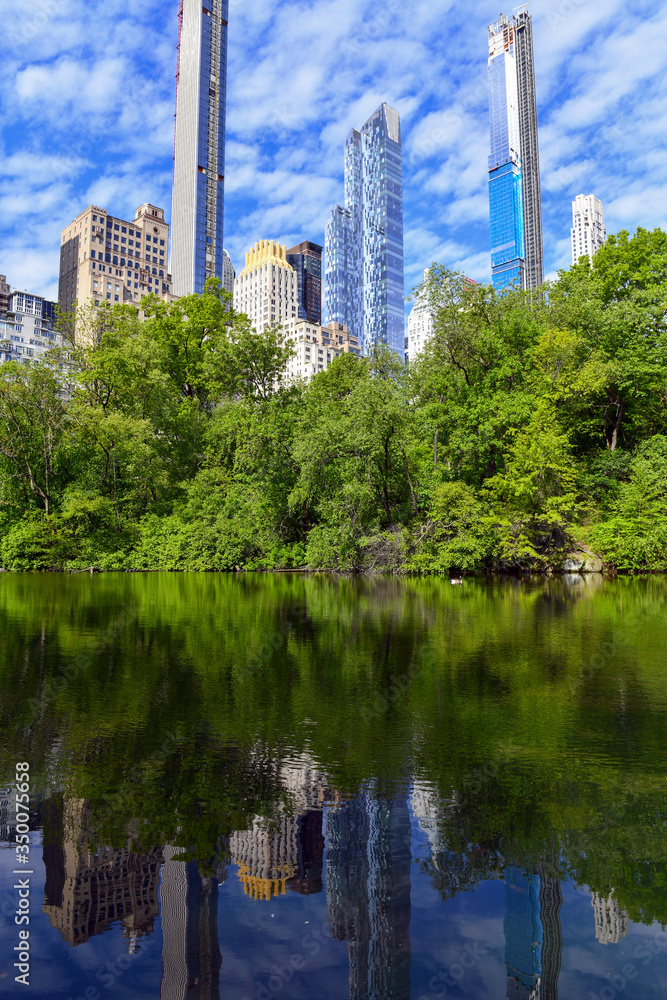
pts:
[302, 787]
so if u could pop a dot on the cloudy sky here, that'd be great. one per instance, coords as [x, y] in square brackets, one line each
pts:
[87, 101]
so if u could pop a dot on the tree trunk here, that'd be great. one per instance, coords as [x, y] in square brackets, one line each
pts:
[412, 492]
[617, 426]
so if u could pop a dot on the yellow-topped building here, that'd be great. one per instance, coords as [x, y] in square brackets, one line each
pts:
[267, 289]
[266, 252]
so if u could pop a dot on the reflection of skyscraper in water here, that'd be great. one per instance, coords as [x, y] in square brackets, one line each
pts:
[368, 892]
[90, 887]
[285, 852]
[533, 937]
[191, 957]
[611, 922]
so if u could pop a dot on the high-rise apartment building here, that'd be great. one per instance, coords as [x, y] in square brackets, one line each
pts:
[228, 273]
[267, 289]
[306, 259]
[588, 232]
[364, 238]
[28, 329]
[106, 259]
[4, 295]
[612, 923]
[515, 201]
[316, 347]
[199, 146]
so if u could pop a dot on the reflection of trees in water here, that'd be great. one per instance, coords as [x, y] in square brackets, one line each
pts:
[181, 716]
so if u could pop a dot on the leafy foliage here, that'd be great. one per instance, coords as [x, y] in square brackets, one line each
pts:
[531, 424]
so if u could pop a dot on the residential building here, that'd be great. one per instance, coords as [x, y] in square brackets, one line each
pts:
[90, 886]
[612, 923]
[364, 238]
[267, 289]
[228, 273]
[4, 295]
[316, 347]
[28, 329]
[420, 329]
[515, 201]
[306, 259]
[588, 232]
[285, 853]
[199, 144]
[106, 259]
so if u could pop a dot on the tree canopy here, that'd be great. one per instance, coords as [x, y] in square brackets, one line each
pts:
[532, 425]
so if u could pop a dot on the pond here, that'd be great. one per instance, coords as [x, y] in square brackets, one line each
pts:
[247, 786]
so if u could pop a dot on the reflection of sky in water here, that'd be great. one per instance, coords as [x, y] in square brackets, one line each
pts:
[374, 889]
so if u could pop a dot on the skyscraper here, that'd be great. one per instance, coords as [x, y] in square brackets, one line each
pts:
[588, 231]
[517, 254]
[191, 957]
[533, 935]
[364, 239]
[368, 892]
[306, 259]
[228, 273]
[199, 146]
[267, 289]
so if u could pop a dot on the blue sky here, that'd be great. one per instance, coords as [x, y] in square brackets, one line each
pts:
[87, 101]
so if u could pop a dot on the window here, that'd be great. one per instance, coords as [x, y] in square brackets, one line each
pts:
[161, 243]
[124, 230]
[116, 228]
[108, 295]
[94, 218]
[116, 298]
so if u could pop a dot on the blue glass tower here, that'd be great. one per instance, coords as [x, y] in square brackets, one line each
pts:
[364, 282]
[517, 256]
[199, 146]
[533, 935]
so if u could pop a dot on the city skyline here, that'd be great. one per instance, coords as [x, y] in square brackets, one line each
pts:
[284, 173]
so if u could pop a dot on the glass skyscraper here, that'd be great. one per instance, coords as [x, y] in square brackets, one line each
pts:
[363, 251]
[199, 146]
[517, 255]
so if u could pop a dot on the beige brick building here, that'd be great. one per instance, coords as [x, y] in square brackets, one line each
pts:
[106, 259]
[316, 347]
[4, 295]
